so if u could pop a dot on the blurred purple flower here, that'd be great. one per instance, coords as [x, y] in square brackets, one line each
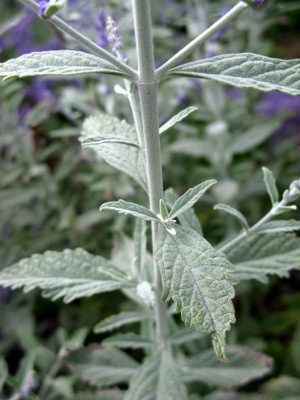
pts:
[274, 102]
[100, 27]
[113, 34]
[43, 4]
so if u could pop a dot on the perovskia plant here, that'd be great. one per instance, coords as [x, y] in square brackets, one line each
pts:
[185, 268]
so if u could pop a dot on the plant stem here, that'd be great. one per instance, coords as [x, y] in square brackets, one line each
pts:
[147, 87]
[188, 49]
[274, 211]
[84, 41]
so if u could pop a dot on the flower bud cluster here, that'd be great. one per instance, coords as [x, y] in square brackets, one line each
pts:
[113, 34]
[293, 193]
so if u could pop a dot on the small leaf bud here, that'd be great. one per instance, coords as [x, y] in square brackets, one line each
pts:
[293, 193]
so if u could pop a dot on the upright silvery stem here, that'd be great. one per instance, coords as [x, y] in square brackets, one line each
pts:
[147, 87]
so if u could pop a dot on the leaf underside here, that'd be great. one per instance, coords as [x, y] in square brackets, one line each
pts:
[121, 319]
[188, 218]
[158, 378]
[69, 274]
[128, 159]
[125, 207]
[56, 63]
[244, 366]
[102, 366]
[200, 280]
[262, 255]
[246, 70]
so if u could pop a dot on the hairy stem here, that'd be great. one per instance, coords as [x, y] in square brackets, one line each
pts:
[84, 41]
[188, 49]
[147, 87]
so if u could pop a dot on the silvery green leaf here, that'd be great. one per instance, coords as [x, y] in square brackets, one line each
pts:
[121, 319]
[146, 293]
[187, 218]
[3, 373]
[254, 136]
[136, 210]
[163, 209]
[182, 336]
[192, 147]
[190, 197]
[261, 255]
[108, 394]
[102, 366]
[270, 183]
[56, 63]
[99, 140]
[283, 388]
[158, 378]
[69, 274]
[246, 70]
[129, 341]
[225, 395]
[244, 365]
[279, 226]
[128, 159]
[177, 118]
[199, 279]
[234, 212]
[53, 7]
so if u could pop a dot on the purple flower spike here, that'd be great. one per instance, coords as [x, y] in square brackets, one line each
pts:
[255, 3]
[43, 4]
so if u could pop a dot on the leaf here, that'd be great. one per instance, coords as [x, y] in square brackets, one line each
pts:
[224, 395]
[70, 274]
[190, 197]
[279, 226]
[283, 388]
[246, 70]
[128, 159]
[57, 63]
[234, 212]
[146, 293]
[188, 218]
[109, 394]
[199, 279]
[118, 320]
[262, 255]
[129, 341]
[158, 378]
[3, 373]
[270, 183]
[182, 336]
[124, 207]
[244, 366]
[254, 136]
[102, 366]
[177, 118]
[99, 140]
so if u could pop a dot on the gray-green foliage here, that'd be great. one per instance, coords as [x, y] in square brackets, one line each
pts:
[246, 70]
[70, 274]
[200, 280]
[56, 63]
[261, 255]
[159, 378]
[124, 157]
